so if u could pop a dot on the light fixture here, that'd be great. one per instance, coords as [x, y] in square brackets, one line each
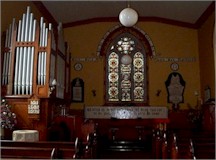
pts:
[128, 17]
[52, 86]
[126, 59]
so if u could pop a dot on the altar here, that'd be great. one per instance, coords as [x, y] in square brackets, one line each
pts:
[125, 112]
[126, 122]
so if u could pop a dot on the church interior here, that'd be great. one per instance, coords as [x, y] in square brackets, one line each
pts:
[108, 80]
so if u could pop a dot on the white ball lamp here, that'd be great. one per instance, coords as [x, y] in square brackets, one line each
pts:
[128, 17]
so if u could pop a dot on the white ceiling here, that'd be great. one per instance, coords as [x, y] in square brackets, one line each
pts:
[73, 11]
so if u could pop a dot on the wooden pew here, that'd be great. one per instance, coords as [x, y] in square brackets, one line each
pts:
[63, 150]
[186, 150]
[203, 143]
[89, 136]
[200, 145]
[44, 144]
[183, 145]
[164, 146]
[171, 148]
[205, 150]
[159, 144]
[28, 153]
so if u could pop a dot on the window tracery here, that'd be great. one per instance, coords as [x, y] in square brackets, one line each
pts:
[126, 70]
[126, 51]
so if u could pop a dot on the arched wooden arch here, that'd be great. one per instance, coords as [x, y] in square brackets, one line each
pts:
[135, 31]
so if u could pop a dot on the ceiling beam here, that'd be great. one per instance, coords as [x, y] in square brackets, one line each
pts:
[205, 15]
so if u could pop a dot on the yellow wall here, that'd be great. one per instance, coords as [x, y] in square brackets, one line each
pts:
[169, 41]
[207, 68]
[15, 9]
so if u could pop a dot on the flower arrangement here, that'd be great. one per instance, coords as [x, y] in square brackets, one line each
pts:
[195, 116]
[8, 119]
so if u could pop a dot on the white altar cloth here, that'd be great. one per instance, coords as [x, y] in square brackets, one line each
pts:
[25, 135]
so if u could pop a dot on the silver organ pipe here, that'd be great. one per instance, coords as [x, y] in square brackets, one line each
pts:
[60, 77]
[61, 44]
[52, 57]
[11, 44]
[28, 45]
[17, 60]
[6, 72]
[23, 71]
[32, 57]
[42, 55]
[4, 82]
[39, 54]
[24, 65]
[29, 55]
[52, 68]
[21, 56]
[8, 55]
[60, 64]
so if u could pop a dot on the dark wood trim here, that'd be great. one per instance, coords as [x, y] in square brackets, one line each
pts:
[47, 15]
[205, 15]
[167, 21]
[141, 19]
[92, 20]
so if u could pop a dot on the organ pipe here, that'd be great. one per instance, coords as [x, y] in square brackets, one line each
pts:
[31, 47]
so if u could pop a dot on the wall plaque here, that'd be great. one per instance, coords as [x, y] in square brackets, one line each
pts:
[77, 90]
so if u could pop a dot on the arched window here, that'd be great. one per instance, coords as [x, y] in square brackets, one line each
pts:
[125, 51]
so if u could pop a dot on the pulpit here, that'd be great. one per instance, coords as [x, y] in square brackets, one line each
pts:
[73, 123]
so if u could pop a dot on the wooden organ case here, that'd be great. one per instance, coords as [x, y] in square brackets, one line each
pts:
[35, 72]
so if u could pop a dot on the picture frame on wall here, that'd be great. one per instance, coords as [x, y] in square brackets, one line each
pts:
[207, 93]
[175, 86]
[77, 90]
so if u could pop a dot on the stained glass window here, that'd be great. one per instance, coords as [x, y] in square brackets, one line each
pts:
[126, 70]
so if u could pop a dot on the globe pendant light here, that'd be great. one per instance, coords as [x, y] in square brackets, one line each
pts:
[128, 17]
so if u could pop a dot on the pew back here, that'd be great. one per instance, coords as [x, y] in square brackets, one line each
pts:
[28, 153]
[63, 150]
